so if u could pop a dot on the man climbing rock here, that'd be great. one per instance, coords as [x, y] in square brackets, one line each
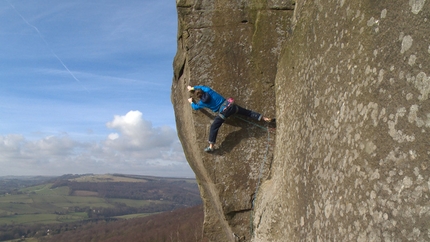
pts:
[225, 108]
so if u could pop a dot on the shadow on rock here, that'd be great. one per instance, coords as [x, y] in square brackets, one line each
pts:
[247, 131]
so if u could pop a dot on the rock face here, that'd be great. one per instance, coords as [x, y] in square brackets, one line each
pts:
[233, 47]
[349, 84]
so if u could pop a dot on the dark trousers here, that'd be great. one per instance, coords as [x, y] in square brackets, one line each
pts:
[232, 110]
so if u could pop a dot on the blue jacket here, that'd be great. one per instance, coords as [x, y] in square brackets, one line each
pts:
[213, 100]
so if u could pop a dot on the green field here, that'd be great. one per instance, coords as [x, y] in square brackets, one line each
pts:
[134, 203]
[137, 215]
[25, 202]
[41, 204]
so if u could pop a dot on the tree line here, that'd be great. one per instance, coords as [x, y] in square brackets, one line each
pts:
[184, 224]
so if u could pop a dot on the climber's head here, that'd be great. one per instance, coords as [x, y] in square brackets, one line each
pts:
[203, 96]
[198, 93]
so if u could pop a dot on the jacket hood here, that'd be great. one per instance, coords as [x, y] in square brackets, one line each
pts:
[205, 97]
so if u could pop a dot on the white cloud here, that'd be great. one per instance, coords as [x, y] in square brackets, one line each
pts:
[138, 134]
[113, 136]
[135, 148]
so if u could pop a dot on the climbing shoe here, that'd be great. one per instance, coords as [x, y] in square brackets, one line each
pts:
[269, 120]
[208, 149]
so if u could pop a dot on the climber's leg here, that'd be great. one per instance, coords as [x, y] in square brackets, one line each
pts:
[252, 114]
[249, 113]
[213, 132]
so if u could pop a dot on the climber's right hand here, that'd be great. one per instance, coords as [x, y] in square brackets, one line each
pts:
[190, 88]
[190, 100]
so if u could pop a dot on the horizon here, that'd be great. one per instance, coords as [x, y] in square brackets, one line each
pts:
[105, 174]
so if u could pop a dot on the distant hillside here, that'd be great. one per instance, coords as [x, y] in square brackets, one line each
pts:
[176, 191]
[37, 207]
[9, 184]
[180, 225]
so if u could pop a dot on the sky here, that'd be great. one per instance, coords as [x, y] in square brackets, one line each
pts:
[85, 88]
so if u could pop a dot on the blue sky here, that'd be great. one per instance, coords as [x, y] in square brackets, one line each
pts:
[85, 88]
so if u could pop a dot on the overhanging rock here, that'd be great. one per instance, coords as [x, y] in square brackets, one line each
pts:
[233, 48]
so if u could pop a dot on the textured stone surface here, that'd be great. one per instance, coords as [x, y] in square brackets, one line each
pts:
[352, 149]
[352, 152]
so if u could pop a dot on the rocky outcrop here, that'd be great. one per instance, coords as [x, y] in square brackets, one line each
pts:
[232, 47]
[350, 89]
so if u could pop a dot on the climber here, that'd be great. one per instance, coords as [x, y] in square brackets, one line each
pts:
[210, 99]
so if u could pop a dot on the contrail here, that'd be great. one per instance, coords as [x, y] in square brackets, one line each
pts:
[47, 45]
